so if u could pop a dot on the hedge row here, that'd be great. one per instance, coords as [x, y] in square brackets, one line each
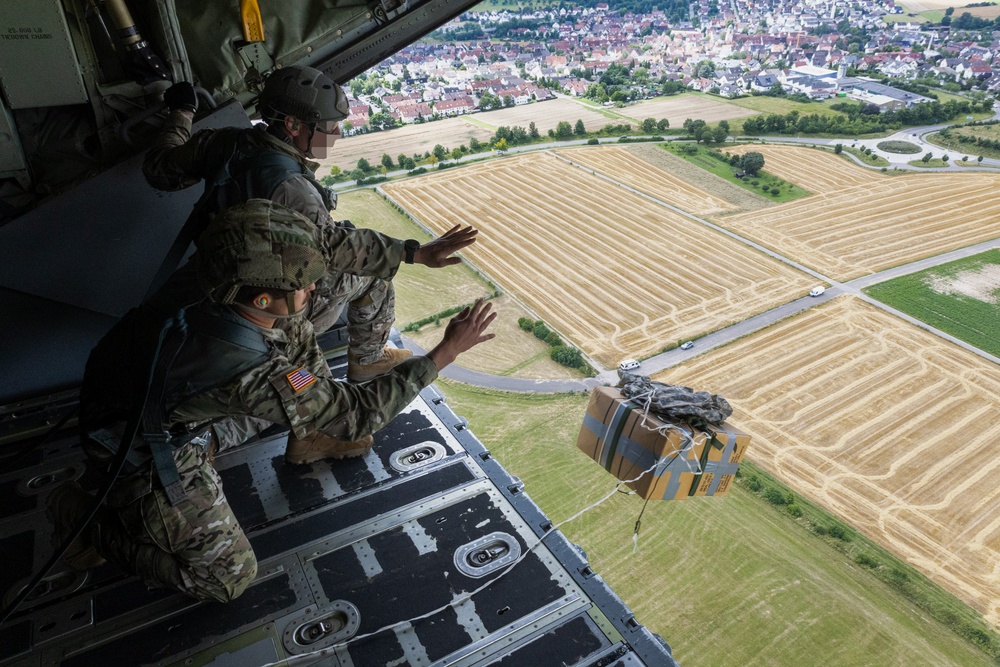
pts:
[913, 585]
[560, 352]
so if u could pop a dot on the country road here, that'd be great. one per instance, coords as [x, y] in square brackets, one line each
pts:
[665, 360]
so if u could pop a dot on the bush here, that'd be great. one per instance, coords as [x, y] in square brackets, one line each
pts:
[567, 356]
[794, 510]
[592, 141]
[553, 339]
[775, 496]
[525, 323]
[540, 331]
[775, 191]
[837, 531]
[865, 559]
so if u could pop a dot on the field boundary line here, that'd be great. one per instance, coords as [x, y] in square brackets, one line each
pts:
[599, 368]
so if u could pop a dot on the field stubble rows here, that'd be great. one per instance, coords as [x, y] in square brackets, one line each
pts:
[890, 427]
[614, 272]
[860, 223]
[620, 164]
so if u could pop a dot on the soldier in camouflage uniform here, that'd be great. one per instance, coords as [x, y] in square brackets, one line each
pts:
[302, 108]
[256, 265]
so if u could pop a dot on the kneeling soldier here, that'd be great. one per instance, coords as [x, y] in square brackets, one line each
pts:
[167, 519]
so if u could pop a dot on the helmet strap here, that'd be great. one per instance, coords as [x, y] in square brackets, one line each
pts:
[278, 316]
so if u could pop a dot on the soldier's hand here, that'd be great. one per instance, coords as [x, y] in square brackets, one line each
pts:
[181, 97]
[464, 331]
[438, 253]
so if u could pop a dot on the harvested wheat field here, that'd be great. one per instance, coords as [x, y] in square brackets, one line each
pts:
[617, 274]
[546, 115]
[815, 170]
[888, 426]
[409, 139]
[678, 108]
[873, 224]
[625, 167]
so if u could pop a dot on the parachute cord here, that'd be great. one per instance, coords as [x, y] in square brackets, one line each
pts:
[638, 523]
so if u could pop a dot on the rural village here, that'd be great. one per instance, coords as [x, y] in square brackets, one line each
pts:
[817, 49]
[786, 208]
[822, 242]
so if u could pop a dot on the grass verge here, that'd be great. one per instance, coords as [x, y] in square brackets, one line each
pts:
[763, 184]
[934, 163]
[726, 581]
[873, 159]
[970, 319]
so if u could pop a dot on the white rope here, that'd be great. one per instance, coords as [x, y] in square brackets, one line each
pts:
[308, 657]
[687, 443]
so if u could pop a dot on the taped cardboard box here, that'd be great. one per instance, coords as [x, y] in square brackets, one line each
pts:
[613, 434]
[720, 460]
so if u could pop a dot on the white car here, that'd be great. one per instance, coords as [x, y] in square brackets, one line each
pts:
[688, 345]
[817, 291]
[628, 365]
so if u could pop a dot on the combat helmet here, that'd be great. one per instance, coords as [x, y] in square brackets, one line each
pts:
[258, 244]
[305, 93]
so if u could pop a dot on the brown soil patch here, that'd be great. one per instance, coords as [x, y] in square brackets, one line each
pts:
[612, 271]
[627, 168]
[893, 429]
[860, 223]
[981, 285]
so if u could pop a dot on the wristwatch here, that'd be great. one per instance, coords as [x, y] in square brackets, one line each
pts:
[410, 246]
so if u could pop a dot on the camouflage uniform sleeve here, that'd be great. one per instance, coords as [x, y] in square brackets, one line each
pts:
[361, 252]
[176, 160]
[281, 393]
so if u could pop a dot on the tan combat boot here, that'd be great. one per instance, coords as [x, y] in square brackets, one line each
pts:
[321, 446]
[391, 357]
[67, 506]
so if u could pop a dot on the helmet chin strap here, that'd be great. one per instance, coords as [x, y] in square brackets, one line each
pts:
[289, 300]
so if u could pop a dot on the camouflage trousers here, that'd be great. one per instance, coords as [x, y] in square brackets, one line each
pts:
[371, 310]
[197, 547]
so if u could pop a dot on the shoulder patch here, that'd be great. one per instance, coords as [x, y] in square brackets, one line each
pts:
[299, 379]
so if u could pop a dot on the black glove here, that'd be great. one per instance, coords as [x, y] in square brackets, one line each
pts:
[181, 97]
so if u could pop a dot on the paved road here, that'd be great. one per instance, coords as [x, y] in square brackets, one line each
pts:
[724, 336]
[502, 382]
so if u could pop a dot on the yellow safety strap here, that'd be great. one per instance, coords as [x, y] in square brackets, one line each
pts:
[253, 24]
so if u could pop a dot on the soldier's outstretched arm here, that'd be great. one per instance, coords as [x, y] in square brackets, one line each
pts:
[464, 331]
[440, 251]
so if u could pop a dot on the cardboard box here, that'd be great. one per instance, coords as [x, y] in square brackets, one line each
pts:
[720, 460]
[614, 434]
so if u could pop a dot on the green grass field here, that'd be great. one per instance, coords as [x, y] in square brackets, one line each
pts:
[873, 159]
[934, 163]
[765, 182]
[952, 143]
[726, 581]
[970, 319]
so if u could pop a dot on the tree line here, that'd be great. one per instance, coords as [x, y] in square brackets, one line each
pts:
[860, 119]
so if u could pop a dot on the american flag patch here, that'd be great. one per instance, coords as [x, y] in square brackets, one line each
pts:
[300, 379]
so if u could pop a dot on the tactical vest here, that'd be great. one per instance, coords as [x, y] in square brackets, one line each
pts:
[248, 168]
[208, 346]
[241, 166]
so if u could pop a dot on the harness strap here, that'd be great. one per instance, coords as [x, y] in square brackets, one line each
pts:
[154, 433]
